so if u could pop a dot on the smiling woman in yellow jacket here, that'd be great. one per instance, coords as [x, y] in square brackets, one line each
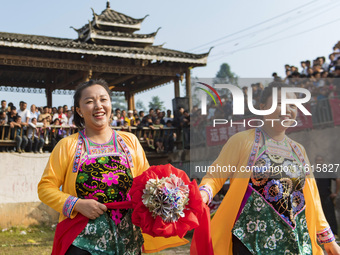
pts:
[94, 167]
[265, 211]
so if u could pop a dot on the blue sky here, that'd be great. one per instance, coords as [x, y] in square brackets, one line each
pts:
[288, 32]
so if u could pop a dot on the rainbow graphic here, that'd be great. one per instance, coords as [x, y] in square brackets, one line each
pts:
[209, 93]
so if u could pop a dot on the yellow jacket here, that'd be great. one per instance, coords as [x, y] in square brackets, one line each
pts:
[236, 153]
[58, 172]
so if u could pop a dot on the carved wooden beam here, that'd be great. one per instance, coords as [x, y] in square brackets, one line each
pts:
[122, 79]
[65, 64]
[77, 77]
[144, 86]
[25, 84]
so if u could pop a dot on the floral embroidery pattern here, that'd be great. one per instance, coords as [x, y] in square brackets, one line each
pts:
[90, 161]
[282, 189]
[116, 216]
[103, 236]
[110, 179]
[103, 160]
[82, 177]
[263, 231]
[273, 191]
[106, 177]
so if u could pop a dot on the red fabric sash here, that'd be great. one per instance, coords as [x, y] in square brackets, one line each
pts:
[69, 229]
[201, 243]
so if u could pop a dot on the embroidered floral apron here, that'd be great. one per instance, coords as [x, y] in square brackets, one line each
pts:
[104, 175]
[273, 220]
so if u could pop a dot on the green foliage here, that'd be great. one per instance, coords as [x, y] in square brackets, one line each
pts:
[156, 103]
[140, 105]
[118, 101]
[225, 75]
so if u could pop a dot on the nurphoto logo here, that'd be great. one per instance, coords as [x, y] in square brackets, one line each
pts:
[238, 103]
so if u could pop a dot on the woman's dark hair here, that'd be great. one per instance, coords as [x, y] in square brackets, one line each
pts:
[79, 121]
[268, 91]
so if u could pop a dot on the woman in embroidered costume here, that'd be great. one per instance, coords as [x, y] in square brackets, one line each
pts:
[275, 208]
[94, 167]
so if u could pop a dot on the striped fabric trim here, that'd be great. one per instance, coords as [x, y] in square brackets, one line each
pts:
[78, 154]
[68, 205]
[325, 236]
[300, 156]
[126, 150]
[255, 147]
[209, 192]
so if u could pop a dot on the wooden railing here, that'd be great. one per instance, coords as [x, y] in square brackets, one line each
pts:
[52, 134]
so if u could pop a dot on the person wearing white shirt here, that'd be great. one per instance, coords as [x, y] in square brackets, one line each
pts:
[70, 118]
[168, 116]
[33, 113]
[304, 68]
[24, 113]
[60, 115]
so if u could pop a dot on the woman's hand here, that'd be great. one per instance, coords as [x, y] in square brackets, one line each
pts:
[205, 196]
[332, 248]
[90, 208]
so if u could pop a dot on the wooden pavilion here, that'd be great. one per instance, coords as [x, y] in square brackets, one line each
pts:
[107, 47]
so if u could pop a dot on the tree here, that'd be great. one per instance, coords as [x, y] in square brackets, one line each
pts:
[118, 101]
[156, 103]
[225, 75]
[140, 105]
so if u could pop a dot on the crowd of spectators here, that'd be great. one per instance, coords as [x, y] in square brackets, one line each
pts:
[28, 127]
[31, 126]
[320, 76]
[154, 119]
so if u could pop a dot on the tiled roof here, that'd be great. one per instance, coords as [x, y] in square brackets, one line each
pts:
[110, 15]
[120, 34]
[71, 46]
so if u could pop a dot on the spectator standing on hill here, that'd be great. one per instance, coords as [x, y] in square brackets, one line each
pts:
[332, 62]
[323, 63]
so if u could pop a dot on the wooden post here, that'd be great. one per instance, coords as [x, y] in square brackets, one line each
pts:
[130, 100]
[87, 75]
[176, 81]
[133, 101]
[188, 87]
[48, 92]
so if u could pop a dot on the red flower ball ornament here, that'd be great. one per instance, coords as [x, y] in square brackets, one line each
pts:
[165, 202]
